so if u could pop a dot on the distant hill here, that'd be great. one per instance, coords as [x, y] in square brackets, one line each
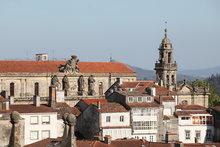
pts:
[144, 74]
[202, 72]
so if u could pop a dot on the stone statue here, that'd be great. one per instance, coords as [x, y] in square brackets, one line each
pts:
[91, 83]
[81, 85]
[71, 65]
[55, 82]
[65, 82]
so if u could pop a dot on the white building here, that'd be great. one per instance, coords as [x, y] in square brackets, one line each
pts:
[144, 112]
[103, 118]
[39, 122]
[195, 124]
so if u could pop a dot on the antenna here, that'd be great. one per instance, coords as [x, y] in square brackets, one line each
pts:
[165, 24]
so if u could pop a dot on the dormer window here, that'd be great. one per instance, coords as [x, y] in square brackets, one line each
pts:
[149, 99]
[140, 99]
[130, 99]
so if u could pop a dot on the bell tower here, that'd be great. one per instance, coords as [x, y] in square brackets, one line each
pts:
[166, 67]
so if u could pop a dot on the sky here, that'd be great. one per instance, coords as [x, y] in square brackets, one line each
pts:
[129, 31]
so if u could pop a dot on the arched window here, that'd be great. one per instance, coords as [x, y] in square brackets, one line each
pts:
[36, 89]
[173, 79]
[168, 79]
[184, 102]
[100, 88]
[12, 89]
[169, 57]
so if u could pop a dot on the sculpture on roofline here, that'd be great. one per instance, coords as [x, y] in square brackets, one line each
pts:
[71, 65]
[91, 84]
[81, 85]
[66, 84]
[55, 82]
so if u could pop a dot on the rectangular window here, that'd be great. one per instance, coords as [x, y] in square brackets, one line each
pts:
[187, 134]
[130, 99]
[198, 134]
[185, 118]
[34, 135]
[149, 99]
[140, 99]
[108, 118]
[45, 119]
[45, 134]
[34, 120]
[151, 138]
[208, 134]
[121, 118]
[144, 125]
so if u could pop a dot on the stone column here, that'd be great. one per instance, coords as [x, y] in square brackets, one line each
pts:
[71, 135]
[15, 131]
[65, 132]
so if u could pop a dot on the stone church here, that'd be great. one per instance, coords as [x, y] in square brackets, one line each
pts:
[166, 70]
[24, 79]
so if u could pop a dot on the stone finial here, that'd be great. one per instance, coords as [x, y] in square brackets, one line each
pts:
[165, 30]
[15, 131]
[71, 119]
[15, 117]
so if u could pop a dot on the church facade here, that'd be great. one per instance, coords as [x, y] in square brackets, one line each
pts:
[25, 79]
[166, 70]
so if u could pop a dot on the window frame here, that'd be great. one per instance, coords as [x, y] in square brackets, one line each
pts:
[130, 99]
[122, 118]
[31, 120]
[108, 119]
[43, 132]
[187, 134]
[45, 123]
[34, 131]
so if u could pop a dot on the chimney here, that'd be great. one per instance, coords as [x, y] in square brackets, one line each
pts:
[99, 105]
[107, 139]
[52, 96]
[7, 105]
[37, 100]
[161, 99]
[11, 99]
[97, 138]
[151, 91]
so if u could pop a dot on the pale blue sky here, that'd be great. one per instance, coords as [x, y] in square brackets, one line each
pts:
[128, 30]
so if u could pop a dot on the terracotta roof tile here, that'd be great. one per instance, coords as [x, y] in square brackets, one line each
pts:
[31, 109]
[190, 107]
[188, 113]
[140, 86]
[53, 66]
[133, 93]
[112, 107]
[2, 98]
[164, 98]
[152, 104]
[62, 108]
[94, 100]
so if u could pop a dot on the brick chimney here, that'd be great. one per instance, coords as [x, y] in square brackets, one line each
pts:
[107, 139]
[99, 105]
[52, 96]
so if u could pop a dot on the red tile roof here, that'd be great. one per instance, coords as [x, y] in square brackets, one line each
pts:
[53, 66]
[190, 107]
[141, 85]
[62, 108]
[188, 113]
[94, 100]
[152, 104]
[2, 98]
[112, 107]
[31, 109]
[164, 98]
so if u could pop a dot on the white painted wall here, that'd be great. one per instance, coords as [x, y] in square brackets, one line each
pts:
[117, 133]
[115, 119]
[52, 127]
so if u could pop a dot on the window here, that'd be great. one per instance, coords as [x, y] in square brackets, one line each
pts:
[187, 134]
[12, 89]
[202, 120]
[185, 118]
[121, 118]
[36, 89]
[45, 134]
[151, 138]
[140, 99]
[108, 118]
[130, 99]
[198, 134]
[46, 120]
[100, 88]
[184, 102]
[208, 134]
[34, 120]
[148, 99]
[34, 135]
[144, 125]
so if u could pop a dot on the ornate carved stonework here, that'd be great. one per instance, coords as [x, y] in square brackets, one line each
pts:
[71, 65]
